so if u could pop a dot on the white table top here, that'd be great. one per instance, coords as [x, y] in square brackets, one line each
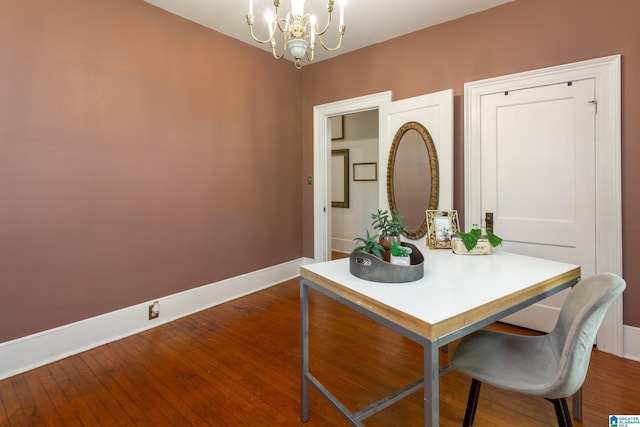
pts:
[456, 290]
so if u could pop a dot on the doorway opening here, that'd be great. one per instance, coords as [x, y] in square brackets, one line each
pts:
[322, 115]
[353, 177]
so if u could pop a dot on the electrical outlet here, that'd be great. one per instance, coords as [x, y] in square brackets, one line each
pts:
[154, 310]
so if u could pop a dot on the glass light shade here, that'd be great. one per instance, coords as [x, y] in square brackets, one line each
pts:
[297, 47]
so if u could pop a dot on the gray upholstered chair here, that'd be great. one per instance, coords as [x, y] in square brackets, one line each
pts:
[552, 366]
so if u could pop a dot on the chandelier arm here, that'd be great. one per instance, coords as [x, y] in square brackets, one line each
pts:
[312, 49]
[273, 43]
[275, 55]
[326, 27]
[250, 22]
[331, 49]
[282, 21]
[284, 47]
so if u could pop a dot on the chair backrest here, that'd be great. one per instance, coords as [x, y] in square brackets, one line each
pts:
[575, 331]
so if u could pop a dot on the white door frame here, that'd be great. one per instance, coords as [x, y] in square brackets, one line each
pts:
[606, 72]
[321, 152]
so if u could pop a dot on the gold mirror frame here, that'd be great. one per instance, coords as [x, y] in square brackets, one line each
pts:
[435, 175]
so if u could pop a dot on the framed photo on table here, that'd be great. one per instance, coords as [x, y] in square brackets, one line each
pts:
[441, 225]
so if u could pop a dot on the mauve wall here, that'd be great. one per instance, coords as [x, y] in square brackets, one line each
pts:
[518, 36]
[140, 155]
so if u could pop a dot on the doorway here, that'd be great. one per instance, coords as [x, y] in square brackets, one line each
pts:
[605, 74]
[538, 179]
[435, 111]
[354, 165]
[322, 115]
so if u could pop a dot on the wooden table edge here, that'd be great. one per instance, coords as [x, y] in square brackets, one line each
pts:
[434, 331]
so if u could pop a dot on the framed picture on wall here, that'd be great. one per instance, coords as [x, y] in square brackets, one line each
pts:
[441, 225]
[365, 171]
[340, 178]
[337, 127]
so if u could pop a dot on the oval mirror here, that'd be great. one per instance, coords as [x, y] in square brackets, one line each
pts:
[412, 177]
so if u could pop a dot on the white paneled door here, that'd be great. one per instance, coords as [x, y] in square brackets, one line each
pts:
[538, 179]
[435, 112]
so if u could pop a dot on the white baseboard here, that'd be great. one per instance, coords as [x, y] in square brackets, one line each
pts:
[23, 354]
[631, 339]
[342, 245]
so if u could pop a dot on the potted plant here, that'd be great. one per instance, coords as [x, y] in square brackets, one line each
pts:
[370, 245]
[370, 261]
[400, 254]
[474, 242]
[390, 227]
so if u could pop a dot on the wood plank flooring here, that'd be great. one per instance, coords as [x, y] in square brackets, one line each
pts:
[237, 364]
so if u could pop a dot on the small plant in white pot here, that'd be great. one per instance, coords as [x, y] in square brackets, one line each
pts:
[400, 255]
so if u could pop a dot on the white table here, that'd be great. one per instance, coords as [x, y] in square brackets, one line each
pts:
[458, 294]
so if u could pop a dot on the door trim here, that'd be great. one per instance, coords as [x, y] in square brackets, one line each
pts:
[606, 72]
[321, 152]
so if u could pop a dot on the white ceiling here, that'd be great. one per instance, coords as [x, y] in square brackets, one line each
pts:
[368, 21]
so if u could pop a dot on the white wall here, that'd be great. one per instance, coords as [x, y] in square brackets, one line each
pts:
[361, 139]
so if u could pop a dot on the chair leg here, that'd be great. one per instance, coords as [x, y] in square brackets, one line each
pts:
[472, 403]
[562, 412]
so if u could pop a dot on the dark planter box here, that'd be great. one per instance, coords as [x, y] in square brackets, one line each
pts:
[370, 267]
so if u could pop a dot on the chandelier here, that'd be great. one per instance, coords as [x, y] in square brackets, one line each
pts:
[299, 30]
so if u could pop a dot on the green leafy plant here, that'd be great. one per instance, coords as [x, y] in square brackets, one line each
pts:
[388, 225]
[380, 221]
[370, 245]
[471, 238]
[398, 250]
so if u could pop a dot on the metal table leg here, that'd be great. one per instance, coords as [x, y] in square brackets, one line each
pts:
[304, 351]
[431, 384]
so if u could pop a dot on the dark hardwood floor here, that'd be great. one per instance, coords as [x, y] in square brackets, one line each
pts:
[237, 364]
